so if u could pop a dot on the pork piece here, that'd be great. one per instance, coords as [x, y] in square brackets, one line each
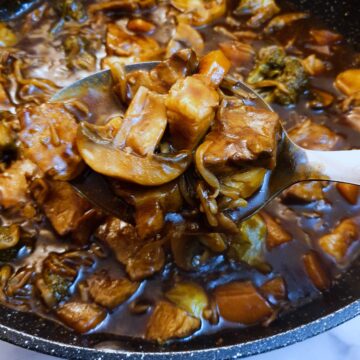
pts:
[310, 135]
[141, 259]
[337, 242]
[121, 238]
[144, 123]
[215, 66]
[316, 271]
[82, 317]
[242, 135]
[61, 204]
[241, 302]
[48, 139]
[136, 47]
[276, 235]
[151, 205]
[109, 292]
[169, 322]
[191, 109]
[14, 183]
[160, 79]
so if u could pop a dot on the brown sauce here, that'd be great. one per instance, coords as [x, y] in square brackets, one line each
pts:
[306, 222]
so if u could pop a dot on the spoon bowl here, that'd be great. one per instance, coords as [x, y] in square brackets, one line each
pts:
[294, 164]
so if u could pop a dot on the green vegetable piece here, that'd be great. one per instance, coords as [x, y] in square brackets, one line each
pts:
[248, 245]
[58, 284]
[190, 297]
[9, 236]
[282, 78]
[70, 9]
[7, 36]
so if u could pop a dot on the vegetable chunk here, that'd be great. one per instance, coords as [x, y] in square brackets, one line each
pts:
[170, 322]
[241, 302]
[191, 109]
[48, 139]
[315, 271]
[338, 241]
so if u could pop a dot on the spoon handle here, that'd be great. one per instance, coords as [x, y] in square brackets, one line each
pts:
[341, 166]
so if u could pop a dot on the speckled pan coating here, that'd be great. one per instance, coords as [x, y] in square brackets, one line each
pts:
[339, 305]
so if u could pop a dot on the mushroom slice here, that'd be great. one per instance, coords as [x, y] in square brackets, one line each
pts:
[150, 170]
[185, 36]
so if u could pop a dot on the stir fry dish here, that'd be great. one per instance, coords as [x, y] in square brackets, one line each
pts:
[186, 148]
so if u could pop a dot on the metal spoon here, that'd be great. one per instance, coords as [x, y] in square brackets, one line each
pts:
[294, 164]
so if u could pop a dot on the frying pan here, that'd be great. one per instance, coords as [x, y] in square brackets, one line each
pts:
[338, 305]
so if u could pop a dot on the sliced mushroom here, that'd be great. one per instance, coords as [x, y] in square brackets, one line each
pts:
[281, 21]
[185, 36]
[9, 236]
[239, 53]
[313, 65]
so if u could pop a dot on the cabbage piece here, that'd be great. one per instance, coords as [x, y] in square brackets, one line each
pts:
[248, 245]
[190, 297]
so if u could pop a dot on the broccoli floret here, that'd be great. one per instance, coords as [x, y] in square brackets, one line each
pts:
[78, 53]
[282, 78]
[70, 9]
[294, 78]
[269, 65]
[58, 284]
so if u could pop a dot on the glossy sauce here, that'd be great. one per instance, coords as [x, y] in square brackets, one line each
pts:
[305, 222]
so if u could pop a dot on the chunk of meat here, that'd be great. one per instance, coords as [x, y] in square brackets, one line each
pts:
[151, 205]
[310, 135]
[149, 260]
[276, 235]
[141, 259]
[338, 241]
[349, 192]
[184, 37]
[170, 322]
[144, 123]
[307, 191]
[109, 292]
[191, 109]
[241, 302]
[82, 317]
[137, 47]
[62, 206]
[14, 183]
[48, 139]
[243, 134]
[274, 290]
[214, 66]
[121, 238]
[316, 271]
